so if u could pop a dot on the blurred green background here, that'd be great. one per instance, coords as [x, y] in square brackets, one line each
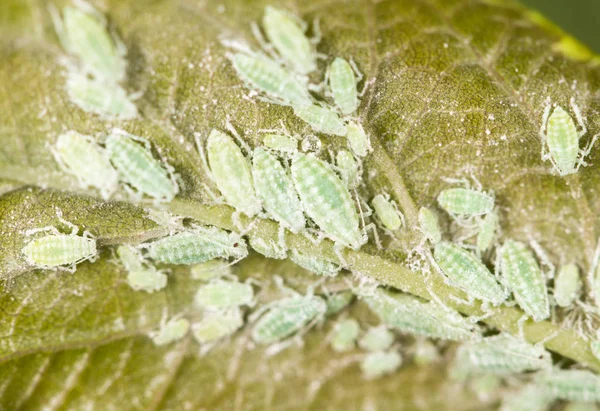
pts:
[580, 18]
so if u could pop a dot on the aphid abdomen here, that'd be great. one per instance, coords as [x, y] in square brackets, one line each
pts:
[231, 172]
[326, 200]
[343, 86]
[563, 140]
[386, 212]
[138, 168]
[465, 202]
[525, 279]
[275, 189]
[321, 119]
[265, 75]
[466, 271]
[567, 285]
[287, 318]
[224, 294]
[197, 246]
[59, 249]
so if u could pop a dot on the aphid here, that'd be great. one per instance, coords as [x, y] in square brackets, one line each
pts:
[81, 156]
[173, 330]
[501, 354]
[567, 285]
[376, 339]
[231, 172]
[338, 301]
[468, 272]
[560, 141]
[216, 325]
[221, 294]
[529, 398]
[358, 140]
[425, 352]
[261, 74]
[287, 316]
[288, 38]
[99, 98]
[525, 279]
[197, 245]
[326, 200]
[411, 315]
[342, 84]
[348, 169]
[279, 142]
[138, 168]
[83, 33]
[465, 202]
[58, 249]
[344, 334]
[275, 189]
[315, 265]
[140, 274]
[322, 119]
[378, 363]
[387, 212]
[570, 385]
[487, 231]
[210, 269]
[268, 248]
[430, 225]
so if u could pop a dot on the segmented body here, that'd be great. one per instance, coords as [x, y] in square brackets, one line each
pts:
[567, 285]
[326, 200]
[562, 140]
[279, 142]
[465, 202]
[386, 212]
[197, 246]
[343, 86]
[468, 272]
[525, 279]
[358, 140]
[59, 249]
[322, 119]
[231, 173]
[138, 168]
[487, 231]
[275, 189]
[315, 265]
[224, 294]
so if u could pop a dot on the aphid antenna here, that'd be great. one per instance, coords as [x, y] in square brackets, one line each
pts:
[543, 256]
[578, 116]
[229, 126]
[236, 45]
[263, 43]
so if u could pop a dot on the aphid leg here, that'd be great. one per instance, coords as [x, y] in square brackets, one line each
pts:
[545, 154]
[468, 301]
[73, 227]
[462, 181]
[544, 259]
[281, 237]
[543, 341]
[520, 324]
[239, 139]
[317, 35]
[338, 249]
[276, 348]
[579, 118]
[373, 228]
[587, 150]
[135, 195]
[262, 42]
[487, 312]
[59, 27]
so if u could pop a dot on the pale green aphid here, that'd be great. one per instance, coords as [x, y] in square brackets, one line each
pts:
[502, 355]
[99, 98]
[379, 363]
[465, 202]
[221, 294]
[288, 38]
[529, 398]
[81, 156]
[525, 279]
[197, 245]
[560, 141]
[216, 325]
[274, 187]
[570, 385]
[286, 317]
[83, 34]
[138, 168]
[376, 339]
[326, 200]
[567, 285]
[171, 331]
[348, 169]
[411, 315]
[342, 83]
[210, 269]
[338, 301]
[280, 142]
[344, 334]
[261, 74]
[231, 173]
[387, 212]
[487, 231]
[315, 265]
[322, 119]
[140, 274]
[358, 140]
[467, 271]
[430, 225]
[425, 352]
[268, 248]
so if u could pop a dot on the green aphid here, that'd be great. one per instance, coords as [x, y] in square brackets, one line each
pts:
[217, 324]
[282, 143]
[465, 202]
[338, 301]
[344, 335]
[387, 212]
[348, 169]
[376, 339]
[358, 140]
[210, 269]
[379, 363]
[430, 225]
[220, 294]
[315, 265]
[140, 274]
[487, 231]
[171, 331]
[342, 84]
[268, 248]
[567, 285]
[322, 119]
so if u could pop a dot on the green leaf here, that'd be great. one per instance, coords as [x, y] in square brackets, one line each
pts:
[456, 89]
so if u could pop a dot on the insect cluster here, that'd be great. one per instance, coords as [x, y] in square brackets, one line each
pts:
[304, 194]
